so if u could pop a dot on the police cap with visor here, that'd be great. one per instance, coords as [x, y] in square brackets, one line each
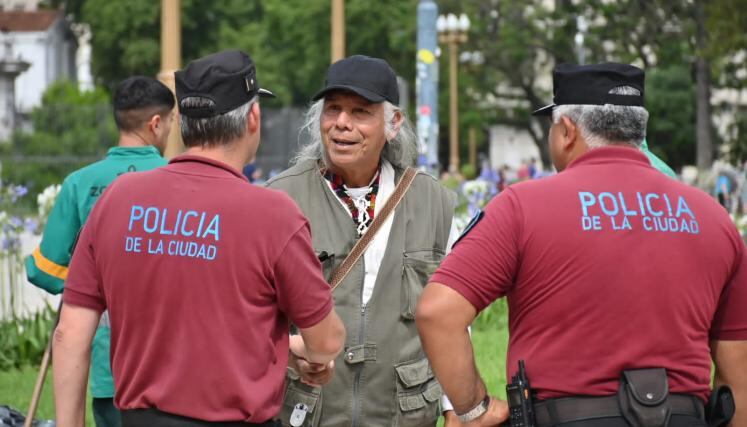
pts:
[228, 78]
[592, 84]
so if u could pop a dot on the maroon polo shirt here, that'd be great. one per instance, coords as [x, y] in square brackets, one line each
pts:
[201, 273]
[609, 265]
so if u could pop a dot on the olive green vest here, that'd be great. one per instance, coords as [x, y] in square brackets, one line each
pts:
[382, 377]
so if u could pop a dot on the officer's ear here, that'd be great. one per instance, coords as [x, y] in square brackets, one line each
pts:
[569, 132]
[253, 119]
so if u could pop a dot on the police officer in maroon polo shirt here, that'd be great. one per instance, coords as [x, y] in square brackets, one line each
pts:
[622, 284]
[201, 273]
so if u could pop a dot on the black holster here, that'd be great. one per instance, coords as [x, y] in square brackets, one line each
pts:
[721, 407]
[643, 397]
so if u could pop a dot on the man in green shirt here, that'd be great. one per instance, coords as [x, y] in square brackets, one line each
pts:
[657, 162]
[143, 113]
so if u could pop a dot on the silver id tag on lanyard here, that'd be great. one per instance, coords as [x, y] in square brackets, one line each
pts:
[298, 414]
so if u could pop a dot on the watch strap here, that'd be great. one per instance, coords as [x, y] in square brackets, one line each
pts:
[475, 412]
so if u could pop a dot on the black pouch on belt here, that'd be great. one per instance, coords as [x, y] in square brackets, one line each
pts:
[643, 397]
[720, 409]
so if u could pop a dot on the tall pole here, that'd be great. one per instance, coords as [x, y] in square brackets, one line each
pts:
[171, 60]
[453, 109]
[473, 148]
[426, 86]
[338, 30]
[453, 31]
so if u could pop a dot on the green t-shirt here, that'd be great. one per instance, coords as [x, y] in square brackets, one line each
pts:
[47, 266]
[657, 162]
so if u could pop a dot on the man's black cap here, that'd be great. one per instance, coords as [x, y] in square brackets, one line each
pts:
[591, 84]
[229, 78]
[371, 78]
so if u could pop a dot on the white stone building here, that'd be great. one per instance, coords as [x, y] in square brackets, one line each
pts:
[42, 38]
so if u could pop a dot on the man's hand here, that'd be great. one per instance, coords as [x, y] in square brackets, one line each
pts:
[312, 374]
[496, 414]
[451, 419]
[297, 346]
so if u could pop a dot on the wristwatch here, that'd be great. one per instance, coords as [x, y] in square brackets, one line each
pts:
[475, 412]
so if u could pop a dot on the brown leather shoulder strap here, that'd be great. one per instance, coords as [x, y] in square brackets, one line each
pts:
[360, 246]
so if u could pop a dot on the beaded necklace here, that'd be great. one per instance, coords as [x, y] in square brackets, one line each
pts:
[361, 206]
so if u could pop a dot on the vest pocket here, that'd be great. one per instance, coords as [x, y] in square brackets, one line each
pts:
[418, 394]
[298, 392]
[417, 268]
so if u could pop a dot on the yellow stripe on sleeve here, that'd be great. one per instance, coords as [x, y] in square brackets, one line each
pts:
[49, 267]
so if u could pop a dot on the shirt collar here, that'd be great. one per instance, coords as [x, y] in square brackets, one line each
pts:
[147, 150]
[611, 154]
[191, 158]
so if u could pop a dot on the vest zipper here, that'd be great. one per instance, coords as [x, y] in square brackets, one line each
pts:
[357, 380]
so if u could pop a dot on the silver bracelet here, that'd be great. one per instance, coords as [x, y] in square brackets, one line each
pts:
[475, 412]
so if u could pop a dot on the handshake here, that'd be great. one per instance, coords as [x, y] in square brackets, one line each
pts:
[310, 373]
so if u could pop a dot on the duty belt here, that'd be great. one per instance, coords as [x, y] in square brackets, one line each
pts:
[563, 410]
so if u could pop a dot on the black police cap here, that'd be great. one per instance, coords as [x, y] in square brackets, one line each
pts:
[591, 85]
[228, 78]
[371, 78]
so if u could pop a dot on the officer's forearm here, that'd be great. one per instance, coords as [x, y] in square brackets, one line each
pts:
[323, 341]
[71, 357]
[447, 343]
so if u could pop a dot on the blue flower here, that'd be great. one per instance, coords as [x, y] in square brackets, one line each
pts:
[31, 224]
[15, 222]
[10, 243]
[20, 190]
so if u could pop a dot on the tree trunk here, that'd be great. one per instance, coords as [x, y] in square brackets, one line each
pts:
[540, 139]
[703, 134]
[538, 135]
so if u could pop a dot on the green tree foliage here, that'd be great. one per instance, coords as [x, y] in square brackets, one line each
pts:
[126, 30]
[520, 42]
[288, 39]
[726, 21]
[670, 101]
[513, 39]
[71, 128]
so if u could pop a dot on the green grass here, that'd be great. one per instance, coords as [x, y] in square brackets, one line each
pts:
[17, 385]
[490, 341]
[490, 346]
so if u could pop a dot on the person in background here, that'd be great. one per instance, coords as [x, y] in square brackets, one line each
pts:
[532, 168]
[656, 161]
[723, 190]
[143, 111]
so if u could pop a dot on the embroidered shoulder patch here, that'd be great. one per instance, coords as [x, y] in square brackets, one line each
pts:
[472, 223]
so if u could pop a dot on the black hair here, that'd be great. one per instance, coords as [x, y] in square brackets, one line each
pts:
[138, 98]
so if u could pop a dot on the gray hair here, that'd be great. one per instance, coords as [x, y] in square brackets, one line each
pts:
[215, 130]
[401, 151]
[607, 124]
